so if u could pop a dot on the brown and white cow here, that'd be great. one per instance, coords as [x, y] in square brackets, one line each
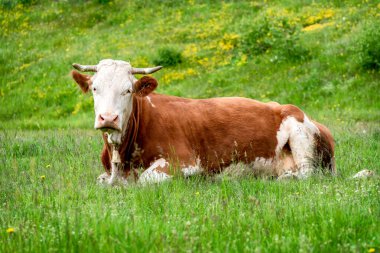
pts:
[167, 134]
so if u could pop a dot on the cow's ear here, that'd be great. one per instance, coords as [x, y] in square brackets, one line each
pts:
[144, 86]
[84, 81]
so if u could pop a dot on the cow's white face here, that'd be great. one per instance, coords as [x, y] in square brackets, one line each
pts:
[113, 87]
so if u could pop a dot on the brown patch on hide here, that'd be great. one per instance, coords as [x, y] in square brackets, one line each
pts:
[105, 157]
[217, 131]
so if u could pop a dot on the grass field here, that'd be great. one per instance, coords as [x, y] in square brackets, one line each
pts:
[50, 198]
[321, 56]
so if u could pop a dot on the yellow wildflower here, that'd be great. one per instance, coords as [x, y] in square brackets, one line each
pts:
[231, 36]
[226, 46]
[10, 230]
[197, 193]
[316, 26]
[173, 76]
[190, 50]
[190, 72]
[24, 66]
[243, 60]
[43, 177]
[371, 250]
[77, 108]
[323, 14]
[228, 42]
[204, 62]
[327, 13]
[140, 61]
[41, 94]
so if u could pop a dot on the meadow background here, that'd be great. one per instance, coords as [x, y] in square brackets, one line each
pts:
[323, 56]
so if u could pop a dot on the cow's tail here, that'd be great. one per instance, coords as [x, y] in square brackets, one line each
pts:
[324, 149]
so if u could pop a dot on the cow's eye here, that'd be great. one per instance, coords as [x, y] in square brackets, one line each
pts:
[126, 92]
[94, 89]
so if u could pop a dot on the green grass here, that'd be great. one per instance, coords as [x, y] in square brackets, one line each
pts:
[321, 56]
[67, 211]
[318, 70]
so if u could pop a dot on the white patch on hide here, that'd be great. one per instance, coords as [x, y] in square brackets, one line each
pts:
[300, 136]
[310, 125]
[150, 101]
[152, 175]
[192, 170]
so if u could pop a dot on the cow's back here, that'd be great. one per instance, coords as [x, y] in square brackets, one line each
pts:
[217, 131]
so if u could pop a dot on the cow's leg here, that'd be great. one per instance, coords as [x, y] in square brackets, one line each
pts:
[116, 172]
[109, 179]
[113, 178]
[302, 145]
[156, 173]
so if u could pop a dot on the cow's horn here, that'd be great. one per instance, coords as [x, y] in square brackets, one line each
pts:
[145, 70]
[85, 68]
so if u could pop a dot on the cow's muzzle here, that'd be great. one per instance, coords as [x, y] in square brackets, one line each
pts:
[107, 122]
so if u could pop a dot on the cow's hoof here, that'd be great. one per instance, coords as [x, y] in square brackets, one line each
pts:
[116, 181]
[103, 179]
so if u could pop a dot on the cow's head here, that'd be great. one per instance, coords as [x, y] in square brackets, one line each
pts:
[113, 86]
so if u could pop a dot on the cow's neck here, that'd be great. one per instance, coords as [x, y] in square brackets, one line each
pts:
[129, 146]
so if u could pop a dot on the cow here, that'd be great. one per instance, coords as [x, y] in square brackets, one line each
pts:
[168, 135]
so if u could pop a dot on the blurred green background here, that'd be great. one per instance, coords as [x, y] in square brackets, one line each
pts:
[322, 56]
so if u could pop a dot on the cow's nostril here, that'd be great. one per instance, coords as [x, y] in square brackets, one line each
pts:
[107, 122]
